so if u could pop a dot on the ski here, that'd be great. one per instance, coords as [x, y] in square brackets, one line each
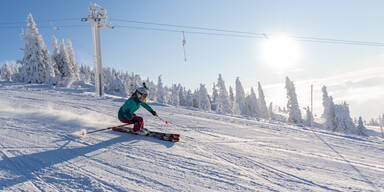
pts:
[154, 134]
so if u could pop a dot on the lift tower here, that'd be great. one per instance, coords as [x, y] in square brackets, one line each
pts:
[97, 17]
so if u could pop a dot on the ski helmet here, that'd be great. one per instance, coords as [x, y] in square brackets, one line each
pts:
[142, 91]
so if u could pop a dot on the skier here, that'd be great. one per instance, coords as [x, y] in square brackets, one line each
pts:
[126, 112]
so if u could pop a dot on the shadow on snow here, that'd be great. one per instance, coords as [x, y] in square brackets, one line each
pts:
[24, 168]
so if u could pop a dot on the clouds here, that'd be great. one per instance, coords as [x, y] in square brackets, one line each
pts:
[363, 90]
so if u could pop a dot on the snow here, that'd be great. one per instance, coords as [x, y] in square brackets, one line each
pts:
[39, 149]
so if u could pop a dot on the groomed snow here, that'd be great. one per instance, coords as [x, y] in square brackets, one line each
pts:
[40, 149]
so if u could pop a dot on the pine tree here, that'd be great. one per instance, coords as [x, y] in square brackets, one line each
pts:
[204, 102]
[329, 110]
[175, 98]
[223, 105]
[195, 99]
[309, 117]
[215, 96]
[72, 63]
[270, 112]
[231, 96]
[262, 104]
[254, 106]
[240, 97]
[55, 57]
[182, 96]
[63, 62]
[343, 119]
[36, 57]
[325, 101]
[294, 113]
[86, 74]
[6, 72]
[160, 91]
[189, 98]
[361, 129]
[236, 108]
[151, 88]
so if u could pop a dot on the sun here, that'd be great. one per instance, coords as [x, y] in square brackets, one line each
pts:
[280, 52]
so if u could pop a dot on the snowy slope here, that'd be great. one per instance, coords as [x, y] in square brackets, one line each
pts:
[39, 152]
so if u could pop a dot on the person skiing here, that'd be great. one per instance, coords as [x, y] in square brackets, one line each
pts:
[127, 111]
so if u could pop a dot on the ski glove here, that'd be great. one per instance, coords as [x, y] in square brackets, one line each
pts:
[154, 113]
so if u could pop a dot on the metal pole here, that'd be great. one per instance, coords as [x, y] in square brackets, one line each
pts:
[312, 106]
[98, 18]
[99, 63]
[95, 57]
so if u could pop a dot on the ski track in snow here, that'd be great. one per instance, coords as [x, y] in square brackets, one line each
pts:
[38, 151]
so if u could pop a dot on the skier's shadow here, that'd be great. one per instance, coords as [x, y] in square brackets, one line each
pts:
[150, 139]
[28, 167]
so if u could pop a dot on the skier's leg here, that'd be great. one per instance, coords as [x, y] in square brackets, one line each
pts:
[141, 122]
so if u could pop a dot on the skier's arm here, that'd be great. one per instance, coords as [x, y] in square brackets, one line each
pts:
[146, 106]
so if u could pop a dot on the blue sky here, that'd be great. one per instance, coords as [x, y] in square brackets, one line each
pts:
[153, 53]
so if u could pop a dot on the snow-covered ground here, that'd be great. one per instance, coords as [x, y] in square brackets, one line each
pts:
[39, 149]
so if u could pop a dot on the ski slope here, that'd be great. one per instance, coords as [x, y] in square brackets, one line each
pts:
[39, 149]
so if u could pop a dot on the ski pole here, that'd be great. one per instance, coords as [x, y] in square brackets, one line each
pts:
[161, 119]
[84, 132]
[166, 121]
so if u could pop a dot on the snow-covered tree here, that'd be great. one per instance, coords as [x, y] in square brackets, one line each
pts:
[182, 95]
[373, 122]
[108, 78]
[325, 101]
[253, 104]
[329, 110]
[86, 74]
[161, 94]
[204, 102]
[175, 97]
[75, 72]
[63, 62]
[195, 99]
[6, 72]
[223, 105]
[309, 117]
[261, 102]
[236, 108]
[343, 119]
[55, 58]
[189, 98]
[215, 95]
[361, 129]
[231, 96]
[270, 111]
[240, 97]
[118, 86]
[36, 58]
[151, 88]
[294, 113]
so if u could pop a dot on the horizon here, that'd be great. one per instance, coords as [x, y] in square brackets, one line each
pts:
[151, 53]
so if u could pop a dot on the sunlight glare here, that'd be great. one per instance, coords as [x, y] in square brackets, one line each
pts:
[280, 52]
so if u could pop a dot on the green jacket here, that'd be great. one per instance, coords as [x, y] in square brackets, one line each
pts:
[130, 106]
